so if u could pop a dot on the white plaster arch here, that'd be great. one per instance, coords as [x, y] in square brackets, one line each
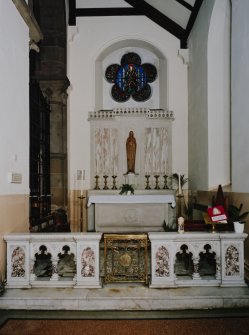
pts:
[128, 44]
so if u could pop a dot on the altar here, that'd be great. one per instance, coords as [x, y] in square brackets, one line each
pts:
[142, 212]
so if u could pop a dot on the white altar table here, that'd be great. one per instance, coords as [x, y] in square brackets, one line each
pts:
[129, 213]
[132, 199]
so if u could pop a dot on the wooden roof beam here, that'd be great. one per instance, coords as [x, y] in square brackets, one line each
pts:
[191, 22]
[157, 17]
[107, 11]
[185, 4]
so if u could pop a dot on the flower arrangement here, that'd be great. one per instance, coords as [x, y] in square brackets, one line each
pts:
[183, 179]
[127, 188]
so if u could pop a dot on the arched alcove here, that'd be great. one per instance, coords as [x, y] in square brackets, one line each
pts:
[112, 54]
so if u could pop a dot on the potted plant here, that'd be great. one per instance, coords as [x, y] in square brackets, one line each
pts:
[2, 286]
[127, 189]
[235, 216]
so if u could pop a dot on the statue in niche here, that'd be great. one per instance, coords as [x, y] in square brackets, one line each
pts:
[131, 146]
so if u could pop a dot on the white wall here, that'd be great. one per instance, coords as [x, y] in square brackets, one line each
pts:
[209, 97]
[14, 123]
[240, 95]
[198, 99]
[219, 95]
[87, 41]
[14, 93]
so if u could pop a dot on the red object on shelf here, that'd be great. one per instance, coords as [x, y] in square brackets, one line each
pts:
[217, 214]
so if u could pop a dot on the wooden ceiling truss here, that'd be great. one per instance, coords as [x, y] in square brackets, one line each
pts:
[141, 7]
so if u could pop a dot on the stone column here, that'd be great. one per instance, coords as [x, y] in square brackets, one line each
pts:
[56, 93]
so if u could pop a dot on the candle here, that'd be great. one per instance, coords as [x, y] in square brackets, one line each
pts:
[179, 186]
[96, 167]
[82, 178]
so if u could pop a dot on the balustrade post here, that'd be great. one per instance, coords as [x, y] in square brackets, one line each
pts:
[196, 274]
[32, 276]
[218, 269]
[55, 276]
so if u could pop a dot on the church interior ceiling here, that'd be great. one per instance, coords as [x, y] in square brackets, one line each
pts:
[175, 16]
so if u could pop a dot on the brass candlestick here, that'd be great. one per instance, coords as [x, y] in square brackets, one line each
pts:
[81, 198]
[165, 186]
[114, 187]
[96, 182]
[157, 182]
[105, 183]
[147, 187]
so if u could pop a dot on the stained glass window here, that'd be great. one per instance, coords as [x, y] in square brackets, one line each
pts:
[131, 78]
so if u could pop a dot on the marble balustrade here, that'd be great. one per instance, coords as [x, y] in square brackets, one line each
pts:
[198, 251]
[73, 260]
[53, 260]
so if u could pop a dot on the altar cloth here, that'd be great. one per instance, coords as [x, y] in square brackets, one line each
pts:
[132, 199]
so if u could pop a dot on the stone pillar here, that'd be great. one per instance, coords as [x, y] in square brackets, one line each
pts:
[56, 93]
[50, 71]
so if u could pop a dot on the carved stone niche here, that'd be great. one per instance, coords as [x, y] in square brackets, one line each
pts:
[110, 129]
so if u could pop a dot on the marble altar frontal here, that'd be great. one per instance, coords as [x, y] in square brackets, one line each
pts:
[134, 213]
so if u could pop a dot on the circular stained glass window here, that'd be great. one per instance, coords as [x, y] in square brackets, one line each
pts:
[131, 79]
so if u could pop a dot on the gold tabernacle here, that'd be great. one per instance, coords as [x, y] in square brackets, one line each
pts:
[125, 257]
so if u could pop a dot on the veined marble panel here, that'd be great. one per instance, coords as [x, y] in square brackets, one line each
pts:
[109, 132]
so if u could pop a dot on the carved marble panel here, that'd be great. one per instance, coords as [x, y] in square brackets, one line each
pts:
[88, 274]
[88, 262]
[18, 259]
[232, 261]
[18, 263]
[162, 268]
[106, 149]
[157, 151]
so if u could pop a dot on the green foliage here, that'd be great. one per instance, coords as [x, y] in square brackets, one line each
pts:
[2, 287]
[168, 228]
[125, 188]
[234, 213]
[183, 180]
